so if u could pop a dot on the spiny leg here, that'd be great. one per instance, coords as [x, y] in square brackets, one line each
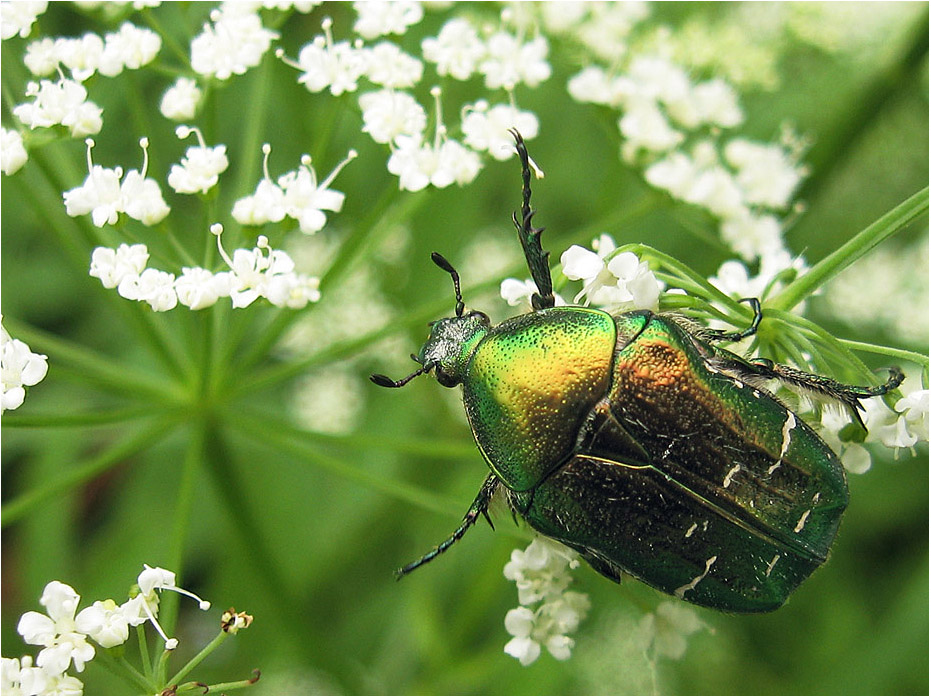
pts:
[537, 258]
[479, 508]
[722, 336]
[847, 395]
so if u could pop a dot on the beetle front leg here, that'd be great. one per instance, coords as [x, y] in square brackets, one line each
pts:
[479, 508]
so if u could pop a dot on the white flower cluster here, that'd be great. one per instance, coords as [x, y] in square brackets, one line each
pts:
[233, 43]
[105, 196]
[542, 578]
[257, 273]
[12, 151]
[614, 282]
[901, 427]
[392, 116]
[19, 368]
[18, 17]
[130, 47]
[296, 195]
[200, 168]
[63, 102]
[179, 103]
[63, 633]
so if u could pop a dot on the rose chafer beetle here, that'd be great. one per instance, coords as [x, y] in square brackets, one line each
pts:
[639, 442]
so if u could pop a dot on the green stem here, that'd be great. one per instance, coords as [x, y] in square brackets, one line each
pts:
[115, 455]
[122, 668]
[144, 650]
[900, 354]
[198, 658]
[289, 439]
[80, 420]
[864, 241]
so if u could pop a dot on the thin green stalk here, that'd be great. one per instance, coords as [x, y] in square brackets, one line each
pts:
[79, 420]
[82, 473]
[848, 253]
[198, 658]
[289, 440]
[122, 668]
[893, 353]
[144, 650]
[184, 507]
[97, 368]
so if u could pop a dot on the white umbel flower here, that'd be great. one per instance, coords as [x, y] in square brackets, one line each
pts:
[63, 102]
[20, 368]
[325, 64]
[456, 50]
[487, 128]
[233, 43]
[12, 152]
[387, 114]
[179, 103]
[18, 17]
[56, 632]
[379, 17]
[200, 167]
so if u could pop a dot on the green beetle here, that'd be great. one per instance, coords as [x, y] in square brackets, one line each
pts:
[637, 441]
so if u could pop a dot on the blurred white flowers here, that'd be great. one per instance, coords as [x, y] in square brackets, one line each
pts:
[548, 612]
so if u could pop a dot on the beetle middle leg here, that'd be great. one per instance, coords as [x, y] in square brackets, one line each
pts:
[479, 508]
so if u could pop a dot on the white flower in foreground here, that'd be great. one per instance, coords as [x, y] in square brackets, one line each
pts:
[379, 17]
[130, 47]
[80, 55]
[42, 57]
[62, 102]
[487, 128]
[902, 428]
[12, 152]
[18, 677]
[621, 282]
[387, 114]
[157, 288]
[104, 622]
[508, 62]
[326, 64]
[305, 200]
[144, 605]
[517, 292]
[389, 66]
[200, 167]
[105, 197]
[18, 18]
[541, 574]
[235, 42]
[179, 103]
[19, 367]
[267, 204]
[112, 266]
[266, 273]
[418, 165]
[199, 288]
[56, 631]
[456, 50]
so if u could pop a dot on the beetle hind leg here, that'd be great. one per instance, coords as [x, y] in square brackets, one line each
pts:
[479, 508]
[821, 386]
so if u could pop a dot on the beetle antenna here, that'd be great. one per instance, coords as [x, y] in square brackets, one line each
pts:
[441, 261]
[385, 382]
[537, 257]
[479, 508]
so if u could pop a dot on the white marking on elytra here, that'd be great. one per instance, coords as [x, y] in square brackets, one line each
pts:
[787, 428]
[801, 522]
[704, 525]
[814, 500]
[730, 474]
[738, 383]
[680, 592]
[691, 530]
[772, 563]
[756, 393]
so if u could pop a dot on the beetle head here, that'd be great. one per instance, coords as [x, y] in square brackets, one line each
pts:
[451, 341]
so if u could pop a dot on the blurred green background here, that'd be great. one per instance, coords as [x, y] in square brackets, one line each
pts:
[303, 527]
